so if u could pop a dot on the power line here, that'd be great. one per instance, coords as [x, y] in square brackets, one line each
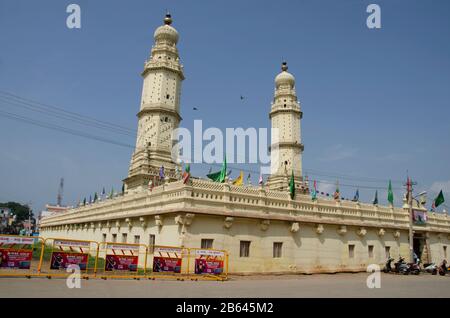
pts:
[61, 129]
[64, 114]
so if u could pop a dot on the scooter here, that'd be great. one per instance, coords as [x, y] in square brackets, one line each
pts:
[401, 267]
[443, 268]
[388, 267]
[431, 268]
[414, 268]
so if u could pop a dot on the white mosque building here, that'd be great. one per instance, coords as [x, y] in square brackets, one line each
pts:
[262, 227]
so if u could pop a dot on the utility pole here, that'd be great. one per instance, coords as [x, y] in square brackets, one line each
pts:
[409, 190]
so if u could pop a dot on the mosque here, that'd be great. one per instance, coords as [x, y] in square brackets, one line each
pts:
[263, 228]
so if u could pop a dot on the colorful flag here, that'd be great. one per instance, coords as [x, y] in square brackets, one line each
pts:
[314, 191]
[249, 181]
[260, 181]
[186, 173]
[239, 180]
[375, 200]
[439, 200]
[390, 194]
[292, 186]
[219, 176]
[337, 194]
[356, 197]
[95, 197]
[103, 191]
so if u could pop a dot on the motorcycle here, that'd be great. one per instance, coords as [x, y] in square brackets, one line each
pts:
[414, 268]
[401, 267]
[431, 268]
[443, 268]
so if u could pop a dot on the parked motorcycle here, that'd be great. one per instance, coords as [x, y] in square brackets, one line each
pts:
[443, 268]
[401, 267]
[431, 268]
[414, 268]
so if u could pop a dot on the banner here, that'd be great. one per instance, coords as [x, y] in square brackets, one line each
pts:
[16, 240]
[10, 258]
[61, 260]
[121, 263]
[208, 266]
[419, 217]
[166, 264]
[71, 243]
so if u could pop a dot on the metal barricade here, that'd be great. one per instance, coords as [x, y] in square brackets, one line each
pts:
[208, 264]
[168, 262]
[121, 260]
[59, 254]
[20, 255]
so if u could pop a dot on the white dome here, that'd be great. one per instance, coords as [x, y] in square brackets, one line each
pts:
[166, 31]
[285, 77]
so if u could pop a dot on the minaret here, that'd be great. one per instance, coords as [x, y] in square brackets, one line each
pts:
[286, 147]
[159, 112]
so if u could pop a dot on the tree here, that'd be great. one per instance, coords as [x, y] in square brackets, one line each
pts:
[21, 211]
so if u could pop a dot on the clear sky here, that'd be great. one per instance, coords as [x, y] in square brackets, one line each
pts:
[375, 102]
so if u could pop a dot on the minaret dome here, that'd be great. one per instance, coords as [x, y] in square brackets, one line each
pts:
[166, 31]
[284, 77]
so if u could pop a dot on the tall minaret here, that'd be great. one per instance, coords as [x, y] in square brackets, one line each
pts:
[159, 112]
[286, 146]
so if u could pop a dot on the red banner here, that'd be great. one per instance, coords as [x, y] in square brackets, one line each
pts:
[61, 260]
[166, 264]
[204, 266]
[121, 263]
[11, 258]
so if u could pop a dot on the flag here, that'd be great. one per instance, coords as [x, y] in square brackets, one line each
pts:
[356, 197]
[210, 170]
[239, 180]
[337, 194]
[90, 199]
[111, 193]
[390, 194]
[314, 192]
[186, 173]
[95, 197]
[123, 188]
[84, 201]
[249, 181]
[260, 181]
[375, 200]
[439, 200]
[219, 176]
[292, 186]
[161, 173]
[103, 191]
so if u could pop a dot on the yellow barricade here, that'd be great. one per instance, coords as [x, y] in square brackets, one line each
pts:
[207, 264]
[121, 260]
[168, 262]
[20, 255]
[59, 254]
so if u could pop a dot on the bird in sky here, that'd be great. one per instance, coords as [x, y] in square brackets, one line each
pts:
[194, 108]
[242, 97]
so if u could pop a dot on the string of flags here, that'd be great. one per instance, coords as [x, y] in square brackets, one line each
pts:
[223, 174]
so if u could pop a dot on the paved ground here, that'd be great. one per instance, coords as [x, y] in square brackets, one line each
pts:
[337, 285]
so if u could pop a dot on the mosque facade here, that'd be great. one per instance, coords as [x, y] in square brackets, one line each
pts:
[263, 228]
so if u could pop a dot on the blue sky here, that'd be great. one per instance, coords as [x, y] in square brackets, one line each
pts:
[375, 102]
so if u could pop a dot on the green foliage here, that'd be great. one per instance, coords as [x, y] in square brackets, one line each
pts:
[22, 211]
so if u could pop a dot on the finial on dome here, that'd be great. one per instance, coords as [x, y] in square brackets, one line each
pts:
[168, 19]
[284, 66]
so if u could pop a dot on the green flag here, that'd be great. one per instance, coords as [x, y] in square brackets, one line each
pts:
[439, 200]
[84, 201]
[123, 188]
[219, 176]
[375, 201]
[187, 168]
[390, 194]
[292, 186]
[111, 194]
[95, 197]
